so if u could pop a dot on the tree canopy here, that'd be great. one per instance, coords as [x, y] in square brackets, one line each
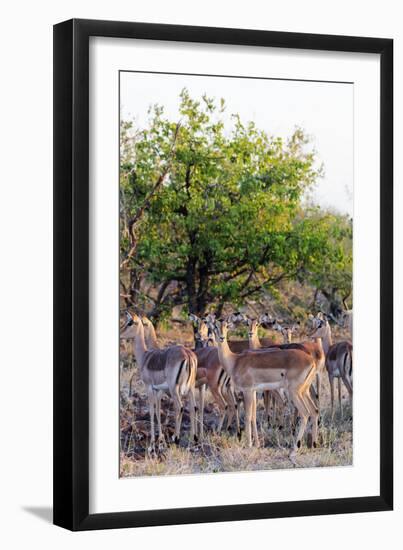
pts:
[215, 212]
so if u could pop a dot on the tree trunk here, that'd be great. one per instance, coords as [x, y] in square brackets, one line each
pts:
[201, 300]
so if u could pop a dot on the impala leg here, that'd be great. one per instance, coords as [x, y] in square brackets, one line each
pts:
[283, 401]
[248, 403]
[339, 392]
[193, 409]
[254, 421]
[202, 394]
[151, 404]
[314, 414]
[178, 407]
[161, 439]
[266, 401]
[230, 406]
[234, 409]
[331, 382]
[275, 408]
[303, 413]
[316, 398]
[221, 389]
[349, 387]
[280, 401]
[222, 418]
[221, 405]
[229, 400]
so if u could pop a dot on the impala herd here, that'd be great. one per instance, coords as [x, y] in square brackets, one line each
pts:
[288, 375]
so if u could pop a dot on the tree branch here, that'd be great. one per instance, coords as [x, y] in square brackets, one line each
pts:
[147, 201]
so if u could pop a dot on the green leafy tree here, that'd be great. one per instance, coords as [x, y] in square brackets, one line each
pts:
[212, 213]
[332, 277]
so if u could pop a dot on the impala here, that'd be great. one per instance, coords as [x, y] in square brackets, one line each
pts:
[276, 399]
[210, 373]
[172, 370]
[202, 334]
[273, 369]
[271, 398]
[152, 342]
[286, 331]
[339, 359]
[314, 347]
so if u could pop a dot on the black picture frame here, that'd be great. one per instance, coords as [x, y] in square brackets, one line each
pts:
[71, 274]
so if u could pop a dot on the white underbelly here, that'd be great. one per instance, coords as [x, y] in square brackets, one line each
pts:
[160, 387]
[268, 386]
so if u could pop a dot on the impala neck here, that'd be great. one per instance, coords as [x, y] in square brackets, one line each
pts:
[152, 341]
[227, 358]
[140, 347]
[319, 342]
[254, 342]
[327, 339]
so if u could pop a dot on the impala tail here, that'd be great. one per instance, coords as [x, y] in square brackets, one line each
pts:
[186, 372]
[348, 364]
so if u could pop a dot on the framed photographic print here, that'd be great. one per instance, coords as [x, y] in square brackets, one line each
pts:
[222, 204]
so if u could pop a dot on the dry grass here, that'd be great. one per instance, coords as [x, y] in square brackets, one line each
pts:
[224, 453]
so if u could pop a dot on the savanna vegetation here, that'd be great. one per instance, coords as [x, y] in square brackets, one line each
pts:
[216, 216]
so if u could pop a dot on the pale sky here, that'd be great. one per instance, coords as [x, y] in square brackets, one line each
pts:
[323, 110]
